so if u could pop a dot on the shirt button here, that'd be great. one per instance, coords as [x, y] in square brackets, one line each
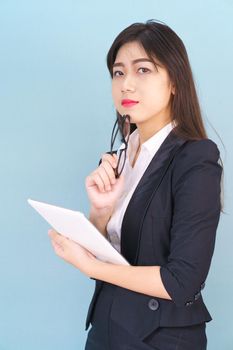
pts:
[203, 285]
[153, 304]
[197, 295]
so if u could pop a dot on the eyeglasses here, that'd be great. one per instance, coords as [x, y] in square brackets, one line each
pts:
[124, 128]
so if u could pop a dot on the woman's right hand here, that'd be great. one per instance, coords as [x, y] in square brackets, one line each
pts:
[102, 187]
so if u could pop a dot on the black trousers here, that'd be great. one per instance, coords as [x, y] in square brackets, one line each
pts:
[105, 334]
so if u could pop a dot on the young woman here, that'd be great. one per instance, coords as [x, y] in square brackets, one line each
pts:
[163, 210]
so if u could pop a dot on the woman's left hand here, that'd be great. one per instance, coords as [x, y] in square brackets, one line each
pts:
[72, 252]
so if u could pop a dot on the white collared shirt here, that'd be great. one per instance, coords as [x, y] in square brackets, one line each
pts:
[133, 175]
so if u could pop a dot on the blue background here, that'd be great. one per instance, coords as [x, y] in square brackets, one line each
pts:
[56, 115]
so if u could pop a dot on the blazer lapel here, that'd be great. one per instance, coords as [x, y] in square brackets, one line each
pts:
[145, 190]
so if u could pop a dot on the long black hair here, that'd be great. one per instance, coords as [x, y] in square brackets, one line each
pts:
[162, 43]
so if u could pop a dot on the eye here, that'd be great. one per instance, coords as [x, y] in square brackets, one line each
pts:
[114, 73]
[147, 70]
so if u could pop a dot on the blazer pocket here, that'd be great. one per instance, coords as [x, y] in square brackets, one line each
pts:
[133, 312]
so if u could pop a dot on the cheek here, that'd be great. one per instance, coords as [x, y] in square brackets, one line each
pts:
[159, 93]
[115, 93]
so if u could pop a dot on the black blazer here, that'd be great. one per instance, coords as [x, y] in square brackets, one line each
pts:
[170, 221]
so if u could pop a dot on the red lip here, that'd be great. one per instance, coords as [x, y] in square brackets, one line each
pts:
[128, 102]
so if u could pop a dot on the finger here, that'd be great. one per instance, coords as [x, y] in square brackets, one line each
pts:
[112, 159]
[57, 247]
[52, 233]
[57, 237]
[55, 244]
[105, 177]
[109, 171]
[97, 180]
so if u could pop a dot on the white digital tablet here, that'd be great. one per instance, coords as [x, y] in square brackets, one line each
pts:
[74, 225]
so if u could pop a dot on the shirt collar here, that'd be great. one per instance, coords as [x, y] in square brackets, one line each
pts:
[151, 145]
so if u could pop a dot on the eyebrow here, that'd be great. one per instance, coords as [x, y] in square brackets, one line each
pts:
[120, 64]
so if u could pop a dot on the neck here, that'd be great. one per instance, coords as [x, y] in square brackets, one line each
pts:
[150, 128]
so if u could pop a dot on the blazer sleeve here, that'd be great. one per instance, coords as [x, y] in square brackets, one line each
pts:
[196, 210]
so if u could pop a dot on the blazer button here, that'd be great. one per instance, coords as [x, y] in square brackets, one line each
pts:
[153, 304]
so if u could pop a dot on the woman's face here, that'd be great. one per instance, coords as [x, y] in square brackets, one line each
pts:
[141, 81]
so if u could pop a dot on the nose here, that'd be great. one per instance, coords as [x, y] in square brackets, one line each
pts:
[127, 84]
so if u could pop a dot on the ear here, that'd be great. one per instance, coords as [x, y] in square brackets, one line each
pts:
[173, 89]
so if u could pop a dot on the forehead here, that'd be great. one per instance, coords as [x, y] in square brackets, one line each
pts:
[130, 51]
